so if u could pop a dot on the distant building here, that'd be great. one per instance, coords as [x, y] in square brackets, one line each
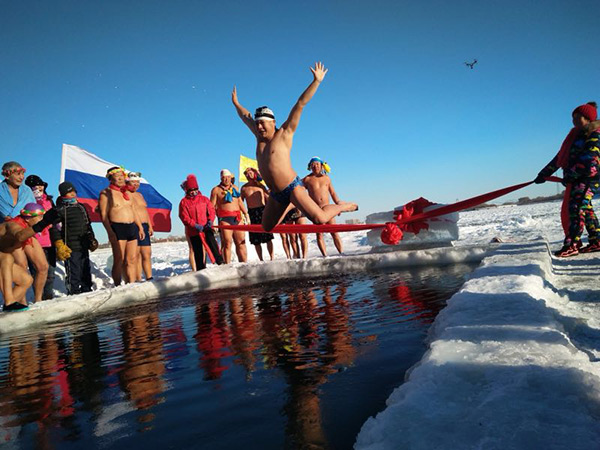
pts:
[353, 221]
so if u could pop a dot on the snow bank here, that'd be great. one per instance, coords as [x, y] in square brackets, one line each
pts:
[508, 364]
[233, 275]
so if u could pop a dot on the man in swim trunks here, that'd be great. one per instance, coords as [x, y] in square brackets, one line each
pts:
[140, 206]
[122, 224]
[273, 147]
[255, 193]
[320, 188]
[226, 199]
[16, 233]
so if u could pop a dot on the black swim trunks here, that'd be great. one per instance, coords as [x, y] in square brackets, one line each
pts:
[256, 218]
[292, 215]
[125, 231]
[146, 241]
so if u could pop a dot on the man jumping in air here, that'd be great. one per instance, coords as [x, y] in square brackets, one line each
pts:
[273, 147]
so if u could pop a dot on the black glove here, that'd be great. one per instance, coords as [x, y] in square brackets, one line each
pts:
[49, 218]
[539, 179]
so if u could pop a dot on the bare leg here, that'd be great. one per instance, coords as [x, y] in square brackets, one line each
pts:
[258, 248]
[314, 212]
[22, 281]
[146, 252]
[20, 258]
[270, 248]
[286, 245]
[274, 213]
[131, 256]
[226, 238]
[7, 261]
[303, 238]
[118, 251]
[138, 266]
[337, 241]
[294, 245]
[239, 237]
[321, 244]
[191, 254]
[35, 253]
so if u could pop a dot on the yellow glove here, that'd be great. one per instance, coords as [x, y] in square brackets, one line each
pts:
[62, 250]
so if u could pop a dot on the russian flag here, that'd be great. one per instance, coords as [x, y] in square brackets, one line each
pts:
[87, 172]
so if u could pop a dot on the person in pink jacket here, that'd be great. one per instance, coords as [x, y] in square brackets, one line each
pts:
[198, 214]
[38, 187]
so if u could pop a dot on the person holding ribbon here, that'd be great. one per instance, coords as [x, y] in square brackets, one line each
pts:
[230, 208]
[122, 224]
[579, 157]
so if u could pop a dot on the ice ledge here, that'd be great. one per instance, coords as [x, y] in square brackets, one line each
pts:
[504, 368]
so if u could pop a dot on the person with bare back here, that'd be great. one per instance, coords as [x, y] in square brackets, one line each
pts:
[122, 224]
[320, 189]
[273, 147]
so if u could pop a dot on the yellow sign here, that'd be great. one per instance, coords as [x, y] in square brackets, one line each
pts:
[246, 162]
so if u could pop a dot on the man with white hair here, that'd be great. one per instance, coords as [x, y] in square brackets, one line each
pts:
[144, 245]
[231, 210]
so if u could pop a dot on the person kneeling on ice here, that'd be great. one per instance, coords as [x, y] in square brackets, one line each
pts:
[73, 240]
[16, 233]
[579, 157]
[198, 214]
[273, 147]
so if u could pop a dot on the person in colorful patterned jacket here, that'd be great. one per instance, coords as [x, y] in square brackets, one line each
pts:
[198, 214]
[579, 157]
[42, 198]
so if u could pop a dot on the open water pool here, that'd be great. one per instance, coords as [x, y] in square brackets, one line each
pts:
[290, 364]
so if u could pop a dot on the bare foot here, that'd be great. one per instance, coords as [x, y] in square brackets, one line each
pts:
[349, 207]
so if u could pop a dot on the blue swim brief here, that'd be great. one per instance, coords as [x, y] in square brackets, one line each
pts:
[283, 197]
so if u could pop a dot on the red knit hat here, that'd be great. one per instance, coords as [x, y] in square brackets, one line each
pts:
[191, 182]
[588, 111]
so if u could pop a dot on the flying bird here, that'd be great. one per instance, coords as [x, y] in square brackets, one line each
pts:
[471, 64]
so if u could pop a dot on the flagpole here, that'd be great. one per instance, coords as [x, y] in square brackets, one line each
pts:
[63, 161]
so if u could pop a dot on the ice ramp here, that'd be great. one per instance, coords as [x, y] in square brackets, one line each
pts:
[513, 362]
[87, 306]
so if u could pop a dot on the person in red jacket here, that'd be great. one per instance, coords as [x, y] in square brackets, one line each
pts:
[198, 214]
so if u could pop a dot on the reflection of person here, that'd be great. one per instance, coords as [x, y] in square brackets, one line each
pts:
[141, 376]
[197, 214]
[255, 194]
[212, 339]
[42, 198]
[15, 234]
[74, 240]
[229, 206]
[320, 188]
[580, 159]
[144, 245]
[273, 146]
[14, 195]
[122, 225]
[244, 332]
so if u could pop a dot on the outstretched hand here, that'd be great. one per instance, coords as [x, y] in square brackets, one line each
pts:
[234, 98]
[319, 71]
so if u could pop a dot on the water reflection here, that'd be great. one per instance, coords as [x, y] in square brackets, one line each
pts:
[74, 386]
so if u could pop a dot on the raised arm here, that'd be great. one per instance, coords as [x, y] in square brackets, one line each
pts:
[293, 119]
[244, 114]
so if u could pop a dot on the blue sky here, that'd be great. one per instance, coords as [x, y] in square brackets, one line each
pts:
[147, 84]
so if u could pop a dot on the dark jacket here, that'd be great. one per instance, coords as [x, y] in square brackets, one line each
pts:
[75, 230]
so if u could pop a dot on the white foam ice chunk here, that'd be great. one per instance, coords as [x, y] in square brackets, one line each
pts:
[501, 371]
[232, 275]
[441, 232]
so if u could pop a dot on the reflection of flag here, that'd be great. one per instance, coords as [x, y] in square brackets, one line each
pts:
[246, 162]
[87, 172]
